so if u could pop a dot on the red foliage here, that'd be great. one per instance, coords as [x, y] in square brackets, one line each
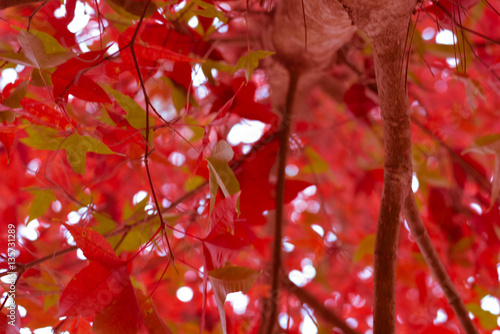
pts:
[75, 162]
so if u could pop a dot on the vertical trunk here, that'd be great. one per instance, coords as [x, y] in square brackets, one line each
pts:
[385, 24]
[388, 57]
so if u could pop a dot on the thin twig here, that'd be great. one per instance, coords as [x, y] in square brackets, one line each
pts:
[319, 308]
[146, 154]
[284, 134]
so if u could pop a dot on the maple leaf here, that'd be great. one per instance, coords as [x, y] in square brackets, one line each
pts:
[220, 173]
[250, 62]
[40, 50]
[69, 84]
[239, 99]
[7, 137]
[490, 144]
[70, 78]
[75, 145]
[94, 246]
[258, 192]
[227, 280]
[42, 114]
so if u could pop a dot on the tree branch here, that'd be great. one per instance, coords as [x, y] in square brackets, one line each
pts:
[424, 242]
[319, 308]
[470, 170]
[284, 134]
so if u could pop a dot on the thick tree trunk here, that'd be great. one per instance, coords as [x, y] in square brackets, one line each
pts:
[385, 23]
[307, 34]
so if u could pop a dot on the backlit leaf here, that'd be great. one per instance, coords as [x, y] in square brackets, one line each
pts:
[94, 246]
[209, 10]
[490, 144]
[220, 174]
[227, 280]
[14, 99]
[77, 147]
[41, 203]
[38, 55]
[153, 320]
[78, 84]
[251, 61]
[136, 116]
[366, 247]
[7, 137]
[42, 114]
[487, 319]
[122, 316]
[316, 163]
[92, 289]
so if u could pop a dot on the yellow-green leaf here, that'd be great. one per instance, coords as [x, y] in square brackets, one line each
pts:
[105, 225]
[50, 44]
[227, 280]
[136, 116]
[41, 203]
[42, 138]
[209, 10]
[36, 52]
[462, 246]
[487, 319]
[316, 163]
[366, 247]
[220, 174]
[77, 147]
[251, 61]
[488, 140]
[179, 95]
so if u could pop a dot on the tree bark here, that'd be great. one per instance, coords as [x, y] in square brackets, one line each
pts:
[385, 24]
[284, 134]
